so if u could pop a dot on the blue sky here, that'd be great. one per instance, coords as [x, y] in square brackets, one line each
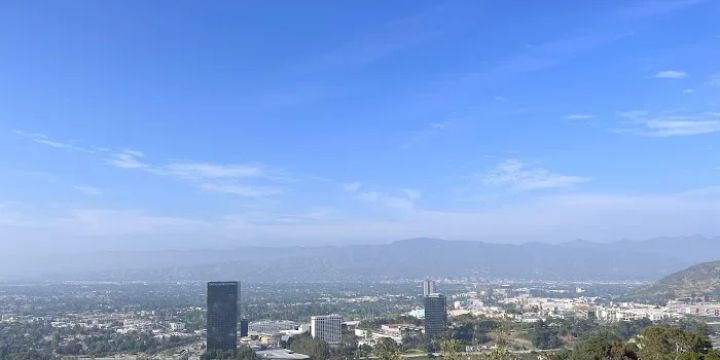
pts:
[153, 125]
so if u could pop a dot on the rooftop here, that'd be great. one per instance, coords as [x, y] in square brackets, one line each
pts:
[281, 354]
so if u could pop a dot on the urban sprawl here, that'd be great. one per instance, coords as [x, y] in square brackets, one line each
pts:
[415, 324]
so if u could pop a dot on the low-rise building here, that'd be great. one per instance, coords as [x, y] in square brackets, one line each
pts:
[280, 354]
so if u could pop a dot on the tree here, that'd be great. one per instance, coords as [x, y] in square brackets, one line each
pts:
[307, 345]
[661, 343]
[245, 353]
[386, 344]
[364, 350]
[501, 351]
[577, 328]
[387, 349]
[348, 345]
[413, 341]
[544, 337]
[482, 331]
[629, 329]
[603, 346]
[464, 333]
[451, 349]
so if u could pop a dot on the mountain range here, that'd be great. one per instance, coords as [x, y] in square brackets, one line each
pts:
[646, 260]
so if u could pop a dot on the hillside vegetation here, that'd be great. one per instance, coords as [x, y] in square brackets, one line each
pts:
[698, 281]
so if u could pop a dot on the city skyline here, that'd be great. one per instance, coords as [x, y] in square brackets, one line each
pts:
[367, 180]
[225, 125]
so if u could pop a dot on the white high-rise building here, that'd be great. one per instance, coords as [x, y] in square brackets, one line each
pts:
[327, 328]
[428, 287]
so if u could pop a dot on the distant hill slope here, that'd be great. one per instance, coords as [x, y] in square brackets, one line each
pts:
[646, 260]
[696, 281]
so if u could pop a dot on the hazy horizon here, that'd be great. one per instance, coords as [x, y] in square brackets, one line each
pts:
[152, 126]
[452, 179]
[310, 245]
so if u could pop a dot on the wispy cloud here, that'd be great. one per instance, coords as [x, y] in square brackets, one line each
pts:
[657, 7]
[88, 190]
[212, 171]
[223, 178]
[634, 114]
[551, 218]
[352, 187]
[405, 200]
[579, 116]
[665, 128]
[671, 125]
[523, 177]
[46, 140]
[427, 132]
[242, 190]
[671, 74]
[127, 159]
[688, 91]
[455, 89]
[714, 80]
[226, 178]
[542, 56]
[391, 38]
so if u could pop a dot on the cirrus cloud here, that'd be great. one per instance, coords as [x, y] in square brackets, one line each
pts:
[579, 116]
[222, 178]
[671, 74]
[671, 125]
[520, 176]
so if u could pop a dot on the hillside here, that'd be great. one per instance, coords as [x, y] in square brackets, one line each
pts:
[700, 280]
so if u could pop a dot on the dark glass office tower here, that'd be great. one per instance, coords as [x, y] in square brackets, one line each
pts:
[435, 315]
[244, 327]
[222, 316]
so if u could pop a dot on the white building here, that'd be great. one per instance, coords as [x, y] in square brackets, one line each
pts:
[327, 328]
[396, 331]
[177, 326]
[280, 354]
[428, 287]
[272, 327]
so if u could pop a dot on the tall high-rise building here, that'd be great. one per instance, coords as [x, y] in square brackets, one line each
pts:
[428, 287]
[327, 328]
[435, 315]
[222, 316]
[244, 327]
